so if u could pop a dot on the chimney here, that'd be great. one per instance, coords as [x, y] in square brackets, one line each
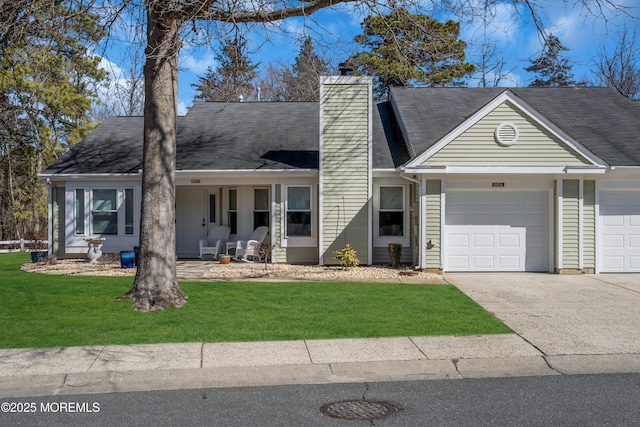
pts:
[345, 165]
[346, 68]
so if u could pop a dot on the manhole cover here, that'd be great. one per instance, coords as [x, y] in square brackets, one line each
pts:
[358, 410]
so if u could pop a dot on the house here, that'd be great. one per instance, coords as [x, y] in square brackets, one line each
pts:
[482, 179]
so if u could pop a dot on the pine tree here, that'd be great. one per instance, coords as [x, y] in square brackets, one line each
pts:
[302, 80]
[47, 79]
[233, 80]
[405, 49]
[552, 68]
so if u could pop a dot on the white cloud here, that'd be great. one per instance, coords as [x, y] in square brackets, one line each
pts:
[182, 108]
[197, 65]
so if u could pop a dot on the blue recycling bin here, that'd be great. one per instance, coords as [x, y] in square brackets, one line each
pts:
[127, 259]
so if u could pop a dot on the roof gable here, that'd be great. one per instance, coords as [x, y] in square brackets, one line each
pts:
[597, 120]
[506, 132]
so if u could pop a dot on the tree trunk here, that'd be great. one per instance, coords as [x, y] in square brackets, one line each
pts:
[155, 287]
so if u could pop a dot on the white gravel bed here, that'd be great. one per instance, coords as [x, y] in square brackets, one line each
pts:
[235, 271]
[309, 272]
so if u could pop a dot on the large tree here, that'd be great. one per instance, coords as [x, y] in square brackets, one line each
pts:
[233, 79]
[552, 68]
[406, 49]
[155, 286]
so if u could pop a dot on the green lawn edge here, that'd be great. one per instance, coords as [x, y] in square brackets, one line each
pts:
[40, 310]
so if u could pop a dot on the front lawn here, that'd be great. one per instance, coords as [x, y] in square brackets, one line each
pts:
[39, 310]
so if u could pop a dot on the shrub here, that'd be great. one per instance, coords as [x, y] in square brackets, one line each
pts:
[347, 257]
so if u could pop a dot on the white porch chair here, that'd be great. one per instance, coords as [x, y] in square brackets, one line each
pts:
[215, 242]
[247, 250]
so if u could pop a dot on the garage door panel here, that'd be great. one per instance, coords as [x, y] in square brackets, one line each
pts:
[483, 262]
[510, 262]
[459, 240]
[613, 241]
[483, 241]
[507, 231]
[613, 220]
[509, 240]
[620, 231]
[459, 263]
[613, 262]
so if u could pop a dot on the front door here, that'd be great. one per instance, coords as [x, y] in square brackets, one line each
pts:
[190, 222]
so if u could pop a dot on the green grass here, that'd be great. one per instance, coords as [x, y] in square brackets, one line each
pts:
[39, 310]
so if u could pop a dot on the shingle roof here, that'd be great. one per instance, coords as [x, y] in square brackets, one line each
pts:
[602, 121]
[258, 136]
[114, 147]
[227, 136]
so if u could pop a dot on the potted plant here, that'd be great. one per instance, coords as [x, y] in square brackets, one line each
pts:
[37, 247]
[224, 259]
[39, 255]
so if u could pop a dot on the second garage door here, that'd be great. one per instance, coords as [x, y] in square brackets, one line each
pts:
[497, 231]
[620, 228]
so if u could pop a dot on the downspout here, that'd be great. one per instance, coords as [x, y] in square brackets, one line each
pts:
[50, 215]
[421, 225]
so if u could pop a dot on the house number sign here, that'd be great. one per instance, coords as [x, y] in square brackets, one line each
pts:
[497, 184]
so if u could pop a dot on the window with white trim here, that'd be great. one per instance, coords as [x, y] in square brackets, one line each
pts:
[232, 213]
[261, 204]
[104, 211]
[391, 212]
[128, 211]
[299, 215]
[79, 211]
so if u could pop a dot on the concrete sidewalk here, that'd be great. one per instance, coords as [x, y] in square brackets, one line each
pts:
[561, 324]
[106, 369]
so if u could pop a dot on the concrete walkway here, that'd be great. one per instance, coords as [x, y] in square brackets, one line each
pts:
[562, 325]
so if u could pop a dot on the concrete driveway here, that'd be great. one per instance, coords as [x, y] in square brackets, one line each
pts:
[588, 314]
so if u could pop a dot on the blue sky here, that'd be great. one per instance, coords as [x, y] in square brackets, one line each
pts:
[510, 30]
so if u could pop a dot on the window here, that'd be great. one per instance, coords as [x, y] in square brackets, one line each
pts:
[79, 202]
[298, 212]
[212, 208]
[232, 215]
[391, 212]
[105, 212]
[260, 207]
[128, 211]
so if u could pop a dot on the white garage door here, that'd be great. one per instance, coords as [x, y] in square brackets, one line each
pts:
[620, 231]
[497, 231]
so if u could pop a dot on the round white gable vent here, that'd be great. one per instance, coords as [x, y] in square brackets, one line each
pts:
[506, 134]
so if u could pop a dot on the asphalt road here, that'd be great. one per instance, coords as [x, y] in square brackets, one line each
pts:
[579, 400]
